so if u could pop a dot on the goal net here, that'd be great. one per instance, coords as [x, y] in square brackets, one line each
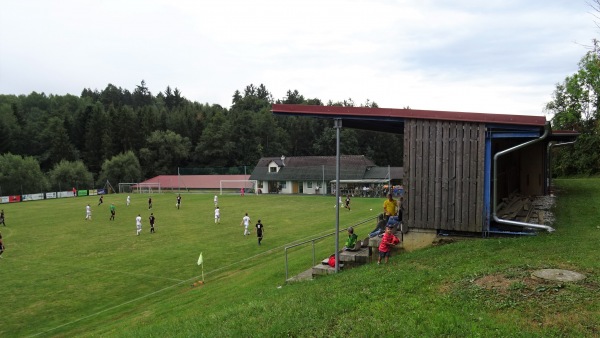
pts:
[235, 186]
[148, 188]
[127, 188]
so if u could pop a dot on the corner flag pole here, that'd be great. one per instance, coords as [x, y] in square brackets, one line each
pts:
[201, 263]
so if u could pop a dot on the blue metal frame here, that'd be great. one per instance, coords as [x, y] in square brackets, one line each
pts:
[497, 131]
[487, 183]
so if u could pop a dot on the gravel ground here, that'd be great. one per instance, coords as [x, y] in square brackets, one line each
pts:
[544, 206]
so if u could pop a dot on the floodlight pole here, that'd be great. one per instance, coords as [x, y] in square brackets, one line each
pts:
[337, 124]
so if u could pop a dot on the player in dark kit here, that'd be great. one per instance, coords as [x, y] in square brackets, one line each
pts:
[259, 231]
[113, 211]
[178, 201]
[152, 219]
[149, 203]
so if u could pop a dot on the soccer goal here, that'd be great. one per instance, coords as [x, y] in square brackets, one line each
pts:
[148, 188]
[127, 188]
[234, 186]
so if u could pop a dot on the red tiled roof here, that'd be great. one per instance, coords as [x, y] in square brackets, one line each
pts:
[193, 181]
[391, 113]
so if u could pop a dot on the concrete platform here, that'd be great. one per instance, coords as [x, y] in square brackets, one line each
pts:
[324, 269]
[359, 257]
[375, 241]
[303, 276]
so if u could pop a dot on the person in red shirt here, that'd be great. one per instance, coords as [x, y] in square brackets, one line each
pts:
[387, 242]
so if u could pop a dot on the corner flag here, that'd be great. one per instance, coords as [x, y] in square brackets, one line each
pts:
[200, 261]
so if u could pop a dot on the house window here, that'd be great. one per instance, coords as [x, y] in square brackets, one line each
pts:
[309, 184]
[282, 184]
[272, 169]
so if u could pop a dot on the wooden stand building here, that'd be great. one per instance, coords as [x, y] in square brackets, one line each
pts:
[458, 166]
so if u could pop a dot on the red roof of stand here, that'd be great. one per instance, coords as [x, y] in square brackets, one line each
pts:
[392, 113]
[193, 181]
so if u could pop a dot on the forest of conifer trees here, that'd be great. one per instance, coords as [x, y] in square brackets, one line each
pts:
[54, 141]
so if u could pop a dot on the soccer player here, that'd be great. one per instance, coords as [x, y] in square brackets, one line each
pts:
[246, 223]
[101, 200]
[2, 217]
[138, 224]
[152, 219]
[216, 200]
[217, 215]
[149, 203]
[113, 211]
[260, 228]
[178, 201]
[1, 246]
[128, 200]
[88, 212]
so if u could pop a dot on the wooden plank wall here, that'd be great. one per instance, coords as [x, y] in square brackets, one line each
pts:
[443, 173]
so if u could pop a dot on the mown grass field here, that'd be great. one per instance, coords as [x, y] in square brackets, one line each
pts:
[63, 276]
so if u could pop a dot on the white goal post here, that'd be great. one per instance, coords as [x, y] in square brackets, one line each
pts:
[148, 188]
[250, 186]
[140, 188]
[127, 187]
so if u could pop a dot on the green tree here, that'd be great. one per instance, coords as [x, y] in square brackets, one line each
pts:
[21, 175]
[215, 147]
[142, 96]
[9, 125]
[124, 167]
[124, 129]
[165, 151]
[67, 174]
[97, 143]
[59, 146]
[183, 121]
[575, 106]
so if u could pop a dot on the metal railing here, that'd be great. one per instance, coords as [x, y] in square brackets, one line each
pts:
[315, 240]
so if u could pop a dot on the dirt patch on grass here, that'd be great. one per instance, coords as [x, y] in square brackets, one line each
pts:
[443, 241]
[504, 284]
[494, 282]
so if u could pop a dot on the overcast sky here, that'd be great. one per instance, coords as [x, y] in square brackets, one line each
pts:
[487, 56]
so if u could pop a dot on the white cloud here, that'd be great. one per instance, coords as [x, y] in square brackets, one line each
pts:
[483, 56]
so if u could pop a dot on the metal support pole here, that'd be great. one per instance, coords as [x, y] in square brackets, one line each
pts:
[337, 124]
[323, 187]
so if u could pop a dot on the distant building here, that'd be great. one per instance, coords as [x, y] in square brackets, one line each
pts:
[199, 183]
[317, 174]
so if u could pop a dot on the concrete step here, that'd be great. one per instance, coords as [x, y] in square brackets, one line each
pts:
[324, 269]
[375, 241]
[360, 256]
[303, 276]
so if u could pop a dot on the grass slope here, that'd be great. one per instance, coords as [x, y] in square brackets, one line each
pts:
[63, 276]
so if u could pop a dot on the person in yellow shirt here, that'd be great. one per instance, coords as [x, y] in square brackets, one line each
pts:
[389, 207]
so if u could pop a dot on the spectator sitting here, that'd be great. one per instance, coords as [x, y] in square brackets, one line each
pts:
[379, 228]
[351, 241]
[394, 222]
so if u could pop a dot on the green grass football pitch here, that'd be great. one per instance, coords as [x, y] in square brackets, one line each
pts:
[63, 275]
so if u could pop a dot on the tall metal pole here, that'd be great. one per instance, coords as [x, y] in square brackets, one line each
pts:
[337, 124]
[389, 180]
[324, 187]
